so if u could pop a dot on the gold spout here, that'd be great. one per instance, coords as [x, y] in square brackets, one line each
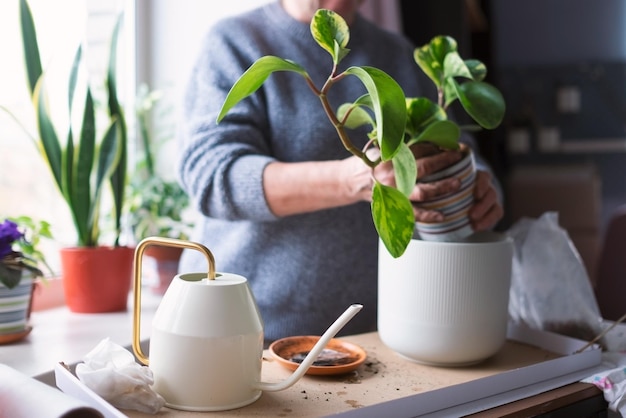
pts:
[139, 251]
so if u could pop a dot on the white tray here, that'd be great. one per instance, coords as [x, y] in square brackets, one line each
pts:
[498, 389]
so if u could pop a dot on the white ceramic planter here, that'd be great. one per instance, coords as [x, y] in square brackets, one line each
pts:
[446, 303]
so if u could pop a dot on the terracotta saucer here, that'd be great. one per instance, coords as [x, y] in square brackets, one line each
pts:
[338, 356]
[16, 336]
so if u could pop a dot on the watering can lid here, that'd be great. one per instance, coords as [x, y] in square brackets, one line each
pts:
[221, 279]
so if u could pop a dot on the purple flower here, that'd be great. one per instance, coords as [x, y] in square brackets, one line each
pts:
[8, 235]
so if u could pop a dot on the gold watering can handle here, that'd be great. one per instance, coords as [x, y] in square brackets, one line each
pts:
[141, 247]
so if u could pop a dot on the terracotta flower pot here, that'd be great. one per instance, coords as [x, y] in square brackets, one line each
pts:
[166, 265]
[97, 279]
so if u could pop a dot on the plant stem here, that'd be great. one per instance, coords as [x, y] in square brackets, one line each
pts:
[338, 125]
[142, 116]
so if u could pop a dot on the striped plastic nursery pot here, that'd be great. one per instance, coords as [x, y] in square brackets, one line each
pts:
[455, 206]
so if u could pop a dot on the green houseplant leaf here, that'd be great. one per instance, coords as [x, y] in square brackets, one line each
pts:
[331, 32]
[387, 98]
[456, 78]
[483, 102]
[477, 69]
[49, 141]
[431, 56]
[404, 168]
[353, 115]
[444, 133]
[454, 66]
[31, 53]
[116, 113]
[393, 218]
[254, 77]
[420, 113]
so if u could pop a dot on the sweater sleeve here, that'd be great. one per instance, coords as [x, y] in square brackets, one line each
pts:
[221, 165]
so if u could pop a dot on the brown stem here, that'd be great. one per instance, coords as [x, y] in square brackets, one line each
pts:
[339, 127]
[343, 136]
[440, 97]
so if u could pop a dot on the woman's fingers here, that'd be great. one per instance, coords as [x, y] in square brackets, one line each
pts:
[428, 191]
[434, 163]
[487, 210]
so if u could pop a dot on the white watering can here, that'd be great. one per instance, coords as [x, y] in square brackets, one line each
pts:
[206, 345]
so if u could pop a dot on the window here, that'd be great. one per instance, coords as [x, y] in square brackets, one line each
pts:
[168, 33]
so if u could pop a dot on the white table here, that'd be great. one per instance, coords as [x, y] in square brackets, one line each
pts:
[60, 335]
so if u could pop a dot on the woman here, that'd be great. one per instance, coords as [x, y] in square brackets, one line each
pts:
[282, 202]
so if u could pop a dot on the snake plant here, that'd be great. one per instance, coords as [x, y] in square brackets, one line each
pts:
[81, 165]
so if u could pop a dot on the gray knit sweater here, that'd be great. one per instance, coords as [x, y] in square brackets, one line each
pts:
[304, 270]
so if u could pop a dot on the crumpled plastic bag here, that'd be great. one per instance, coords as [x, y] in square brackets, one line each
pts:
[550, 287]
[111, 371]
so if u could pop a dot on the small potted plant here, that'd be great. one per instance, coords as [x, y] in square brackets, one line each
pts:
[398, 122]
[416, 309]
[156, 205]
[20, 261]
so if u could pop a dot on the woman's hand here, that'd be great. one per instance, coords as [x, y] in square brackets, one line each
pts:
[484, 214]
[487, 210]
[427, 162]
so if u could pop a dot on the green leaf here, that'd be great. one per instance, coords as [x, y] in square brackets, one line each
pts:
[405, 169]
[454, 66]
[254, 77]
[331, 32]
[426, 61]
[441, 46]
[431, 56]
[483, 102]
[68, 156]
[118, 177]
[108, 159]
[357, 117]
[477, 68]
[449, 92]
[115, 109]
[74, 77]
[393, 217]
[443, 133]
[68, 167]
[49, 142]
[109, 154]
[389, 107]
[10, 277]
[421, 112]
[83, 166]
[30, 45]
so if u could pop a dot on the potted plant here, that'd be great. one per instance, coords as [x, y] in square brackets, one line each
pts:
[20, 261]
[398, 122]
[441, 295]
[157, 205]
[82, 168]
